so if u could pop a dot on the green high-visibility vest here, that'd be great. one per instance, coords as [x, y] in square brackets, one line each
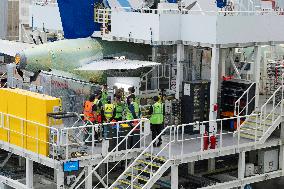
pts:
[119, 110]
[129, 115]
[108, 110]
[157, 116]
[136, 109]
[104, 97]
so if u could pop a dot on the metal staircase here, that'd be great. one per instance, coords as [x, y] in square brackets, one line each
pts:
[148, 167]
[150, 164]
[265, 121]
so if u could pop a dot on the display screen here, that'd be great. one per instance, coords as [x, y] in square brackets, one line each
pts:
[71, 166]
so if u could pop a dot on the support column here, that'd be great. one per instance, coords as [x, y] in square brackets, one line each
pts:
[194, 63]
[281, 153]
[154, 83]
[222, 67]
[256, 78]
[191, 168]
[214, 86]
[174, 177]
[241, 165]
[29, 173]
[179, 78]
[60, 178]
[211, 164]
[89, 181]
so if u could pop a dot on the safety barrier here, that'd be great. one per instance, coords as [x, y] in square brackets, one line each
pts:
[248, 102]
[199, 12]
[133, 141]
[178, 144]
[28, 135]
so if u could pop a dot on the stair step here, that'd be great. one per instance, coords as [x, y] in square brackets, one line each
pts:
[251, 132]
[257, 124]
[142, 178]
[122, 186]
[248, 136]
[250, 127]
[128, 182]
[141, 168]
[157, 165]
[160, 158]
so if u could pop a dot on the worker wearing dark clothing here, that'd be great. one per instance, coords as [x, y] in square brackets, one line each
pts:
[157, 112]
[98, 107]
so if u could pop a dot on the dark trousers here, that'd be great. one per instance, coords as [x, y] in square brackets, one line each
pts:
[156, 130]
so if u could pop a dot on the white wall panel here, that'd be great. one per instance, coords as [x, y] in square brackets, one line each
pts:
[198, 28]
[135, 25]
[169, 27]
[3, 18]
[47, 15]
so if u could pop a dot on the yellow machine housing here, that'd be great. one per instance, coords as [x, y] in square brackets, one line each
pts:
[22, 105]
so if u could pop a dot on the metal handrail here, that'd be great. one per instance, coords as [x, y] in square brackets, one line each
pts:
[114, 149]
[185, 11]
[168, 145]
[263, 113]
[237, 103]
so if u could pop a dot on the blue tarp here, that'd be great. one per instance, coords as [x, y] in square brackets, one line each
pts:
[78, 18]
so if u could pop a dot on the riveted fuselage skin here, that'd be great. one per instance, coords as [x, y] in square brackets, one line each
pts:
[68, 55]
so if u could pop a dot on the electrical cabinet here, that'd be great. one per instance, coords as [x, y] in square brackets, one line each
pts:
[268, 160]
[195, 103]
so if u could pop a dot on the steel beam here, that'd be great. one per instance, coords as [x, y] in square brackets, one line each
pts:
[29, 173]
[245, 181]
[211, 164]
[191, 168]
[179, 77]
[154, 83]
[241, 166]
[174, 177]
[256, 78]
[89, 181]
[214, 82]
[60, 178]
[281, 153]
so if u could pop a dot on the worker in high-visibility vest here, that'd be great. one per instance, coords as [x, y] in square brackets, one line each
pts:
[89, 113]
[133, 109]
[104, 95]
[119, 108]
[157, 119]
[108, 110]
[89, 117]
[98, 107]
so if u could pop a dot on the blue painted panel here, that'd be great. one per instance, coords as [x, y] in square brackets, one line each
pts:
[221, 3]
[78, 18]
[124, 3]
[71, 166]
